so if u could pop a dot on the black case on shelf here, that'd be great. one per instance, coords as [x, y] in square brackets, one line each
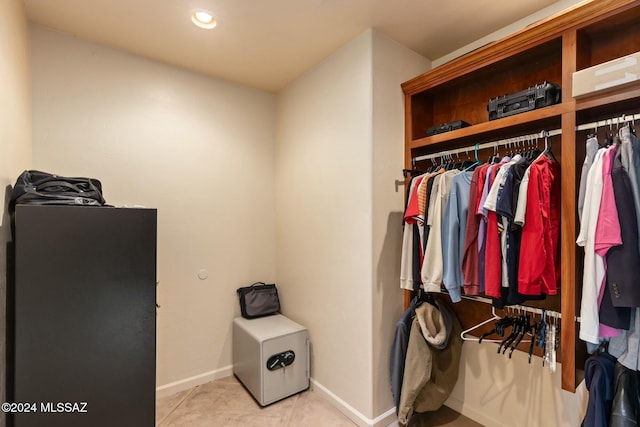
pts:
[538, 96]
[447, 127]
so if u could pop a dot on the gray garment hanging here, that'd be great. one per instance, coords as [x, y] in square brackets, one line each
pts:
[592, 148]
[630, 157]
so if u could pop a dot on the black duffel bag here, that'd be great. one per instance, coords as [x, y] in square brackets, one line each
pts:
[42, 188]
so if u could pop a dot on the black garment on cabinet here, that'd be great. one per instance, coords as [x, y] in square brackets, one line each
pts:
[84, 315]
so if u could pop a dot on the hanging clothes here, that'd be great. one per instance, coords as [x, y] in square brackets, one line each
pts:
[454, 229]
[625, 258]
[433, 265]
[521, 205]
[591, 149]
[482, 232]
[593, 271]
[599, 376]
[416, 217]
[626, 346]
[610, 222]
[430, 181]
[510, 241]
[461, 231]
[630, 159]
[539, 271]
[399, 351]
[499, 201]
[493, 253]
[608, 236]
[432, 360]
[506, 207]
[470, 258]
[407, 279]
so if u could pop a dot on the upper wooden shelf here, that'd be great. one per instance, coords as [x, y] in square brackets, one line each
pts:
[531, 121]
[625, 96]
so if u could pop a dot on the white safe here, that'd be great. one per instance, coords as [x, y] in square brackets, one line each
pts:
[271, 357]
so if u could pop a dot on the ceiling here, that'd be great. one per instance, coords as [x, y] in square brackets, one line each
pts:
[266, 44]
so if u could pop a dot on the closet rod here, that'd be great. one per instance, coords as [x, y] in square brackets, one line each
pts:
[526, 308]
[614, 120]
[491, 144]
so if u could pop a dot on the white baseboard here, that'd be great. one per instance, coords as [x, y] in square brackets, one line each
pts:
[352, 413]
[187, 383]
[383, 420]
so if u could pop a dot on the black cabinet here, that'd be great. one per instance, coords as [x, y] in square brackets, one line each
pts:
[84, 316]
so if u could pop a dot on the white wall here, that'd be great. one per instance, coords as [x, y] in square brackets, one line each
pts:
[340, 148]
[15, 138]
[15, 92]
[323, 193]
[393, 64]
[501, 392]
[199, 150]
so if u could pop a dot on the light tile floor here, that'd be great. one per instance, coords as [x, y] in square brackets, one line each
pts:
[226, 403]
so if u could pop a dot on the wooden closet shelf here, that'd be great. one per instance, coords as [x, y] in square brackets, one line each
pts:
[529, 122]
[628, 98]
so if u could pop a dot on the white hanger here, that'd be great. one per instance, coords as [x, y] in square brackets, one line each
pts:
[493, 318]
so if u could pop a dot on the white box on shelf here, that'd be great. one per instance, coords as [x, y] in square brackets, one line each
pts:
[271, 357]
[607, 76]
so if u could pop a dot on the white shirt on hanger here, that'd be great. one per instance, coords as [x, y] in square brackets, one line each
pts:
[593, 272]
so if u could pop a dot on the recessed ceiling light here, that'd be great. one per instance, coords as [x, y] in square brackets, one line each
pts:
[204, 19]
